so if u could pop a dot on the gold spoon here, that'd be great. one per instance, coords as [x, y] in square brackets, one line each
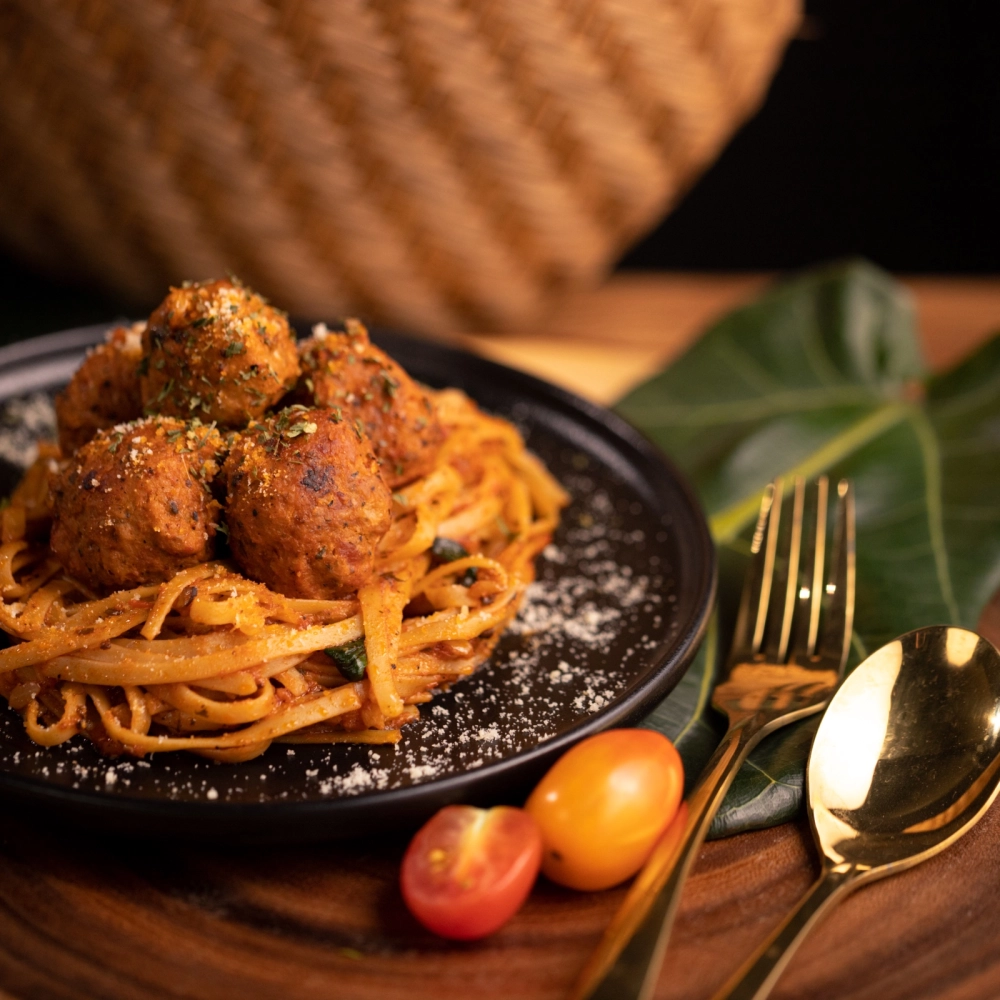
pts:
[906, 760]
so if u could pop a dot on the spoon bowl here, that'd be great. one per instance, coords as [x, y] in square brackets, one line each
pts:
[907, 756]
[905, 761]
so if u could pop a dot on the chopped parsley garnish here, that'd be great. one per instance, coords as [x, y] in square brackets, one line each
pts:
[287, 425]
[163, 393]
[351, 659]
[446, 550]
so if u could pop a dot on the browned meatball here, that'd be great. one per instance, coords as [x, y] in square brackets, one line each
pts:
[133, 505]
[305, 503]
[216, 350]
[104, 391]
[345, 371]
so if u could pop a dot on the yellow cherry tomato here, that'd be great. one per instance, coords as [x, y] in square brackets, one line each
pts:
[604, 804]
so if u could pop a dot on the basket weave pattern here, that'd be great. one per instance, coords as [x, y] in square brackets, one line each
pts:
[437, 164]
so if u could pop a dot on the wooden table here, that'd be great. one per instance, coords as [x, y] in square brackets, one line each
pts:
[82, 918]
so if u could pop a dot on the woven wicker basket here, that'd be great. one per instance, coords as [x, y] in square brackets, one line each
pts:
[436, 164]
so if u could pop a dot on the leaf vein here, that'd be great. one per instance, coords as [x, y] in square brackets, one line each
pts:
[770, 777]
[742, 411]
[935, 508]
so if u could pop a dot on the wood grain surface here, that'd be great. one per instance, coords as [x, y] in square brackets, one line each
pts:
[151, 921]
[84, 918]
[600, 343]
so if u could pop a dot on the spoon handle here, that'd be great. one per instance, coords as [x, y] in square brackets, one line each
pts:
[627, 961]
[757, 976]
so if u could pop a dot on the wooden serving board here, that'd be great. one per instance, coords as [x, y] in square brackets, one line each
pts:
[82, 919]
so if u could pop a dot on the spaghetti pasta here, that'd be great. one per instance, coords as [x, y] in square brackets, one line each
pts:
[221, 665]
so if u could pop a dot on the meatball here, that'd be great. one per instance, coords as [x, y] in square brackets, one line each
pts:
[104, 391]
[345, 371]
[217, 351]
[133, 506]
[305, 503]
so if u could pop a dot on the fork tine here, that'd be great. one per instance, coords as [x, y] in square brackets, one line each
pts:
[770, 549]
[819, 555]
[809, 599]
[746, 619]
[835, 638]
[792, 579]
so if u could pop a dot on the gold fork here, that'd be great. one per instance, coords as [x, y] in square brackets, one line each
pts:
[786, 659]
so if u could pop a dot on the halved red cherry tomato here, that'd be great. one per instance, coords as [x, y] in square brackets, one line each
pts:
[603, 805]
[467, 871]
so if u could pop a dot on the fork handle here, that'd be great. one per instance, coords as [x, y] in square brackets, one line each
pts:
[755, 979]
[626, 963]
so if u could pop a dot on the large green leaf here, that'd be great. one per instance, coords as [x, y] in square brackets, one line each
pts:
[824, 374]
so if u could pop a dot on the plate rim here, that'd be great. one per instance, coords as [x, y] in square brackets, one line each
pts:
[668, 662]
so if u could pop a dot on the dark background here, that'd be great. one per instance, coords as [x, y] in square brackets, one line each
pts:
[880, 137]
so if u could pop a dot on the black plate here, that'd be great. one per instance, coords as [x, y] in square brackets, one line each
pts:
[616, 616]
